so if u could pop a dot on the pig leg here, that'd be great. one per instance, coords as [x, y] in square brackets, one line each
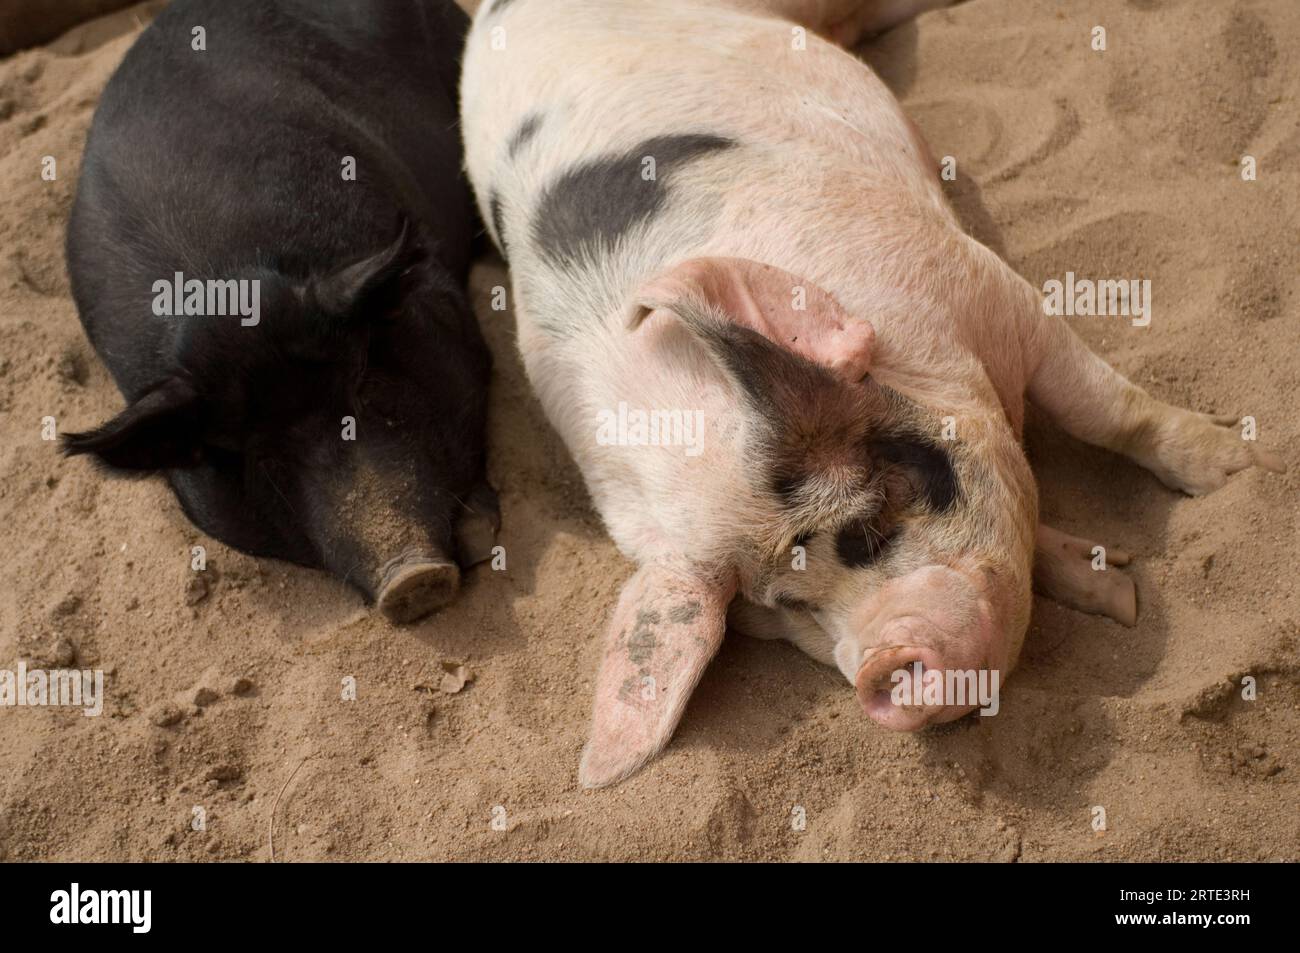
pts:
[1065, 571]
[1086, 397]
[668, 624]
[797, 627]
[877, 17]
[846, 22]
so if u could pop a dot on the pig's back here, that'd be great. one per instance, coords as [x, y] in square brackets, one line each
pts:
[769, 149]
[216, 162]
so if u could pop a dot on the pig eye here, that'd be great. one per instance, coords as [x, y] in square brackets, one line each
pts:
[794, 603]
[863, 542]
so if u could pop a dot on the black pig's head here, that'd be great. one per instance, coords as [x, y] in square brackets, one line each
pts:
[343, 430]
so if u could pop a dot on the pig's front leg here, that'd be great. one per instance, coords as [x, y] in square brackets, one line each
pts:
[1086, 397]
[796, 626]
[1080, 574]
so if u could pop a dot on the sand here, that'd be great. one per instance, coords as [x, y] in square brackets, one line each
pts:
[1116, 164]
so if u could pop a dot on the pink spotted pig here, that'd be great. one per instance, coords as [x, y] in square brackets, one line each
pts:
[709, 206]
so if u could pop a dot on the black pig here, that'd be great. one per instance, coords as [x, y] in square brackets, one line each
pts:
[269, 249]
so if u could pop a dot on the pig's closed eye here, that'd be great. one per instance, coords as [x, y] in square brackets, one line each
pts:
[794, 603]
[863, 542]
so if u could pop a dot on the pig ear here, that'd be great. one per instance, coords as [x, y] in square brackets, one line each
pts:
[363, 286]
[668, 624]
[782, 386]
[157, 432]
[787, 310]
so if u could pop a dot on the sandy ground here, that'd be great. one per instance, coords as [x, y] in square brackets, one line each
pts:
[1115, 164]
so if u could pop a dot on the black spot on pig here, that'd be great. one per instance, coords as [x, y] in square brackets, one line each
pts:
[629, 690]
[927, 467]
[642, 641]
[913, 472]
[523, 134]
[235, 175]
[863, 542]
[499, 6]
[584, 212]
[774, 381]
[810, 421]
[684, 613]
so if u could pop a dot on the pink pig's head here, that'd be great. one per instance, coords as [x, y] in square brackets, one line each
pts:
[880, 517]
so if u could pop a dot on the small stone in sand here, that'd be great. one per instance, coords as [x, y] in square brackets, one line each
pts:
[196, 590]
[241, 686]
[68, 605]
[58, 653]
[166, 714]
[223, 772]
[455, 676]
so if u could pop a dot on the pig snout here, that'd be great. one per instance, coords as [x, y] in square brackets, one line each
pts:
[933, 650]
[887, 686]
[387, 530]
[414, 584]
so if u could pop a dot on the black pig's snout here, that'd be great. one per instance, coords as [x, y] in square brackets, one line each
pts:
[415, 584]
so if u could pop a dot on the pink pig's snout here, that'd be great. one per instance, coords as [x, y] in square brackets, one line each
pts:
[891, 687]
[934, 651]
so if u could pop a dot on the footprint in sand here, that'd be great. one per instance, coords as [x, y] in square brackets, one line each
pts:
[1209, 94]
[1122, 245]
[988, 146]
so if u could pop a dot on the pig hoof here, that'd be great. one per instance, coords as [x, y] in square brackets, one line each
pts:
[1066, 570]
[415, 586]
[1196, 453]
